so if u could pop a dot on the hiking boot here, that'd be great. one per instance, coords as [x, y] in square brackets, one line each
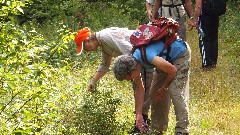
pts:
[135, 130]
[180, 133]
[210, 66]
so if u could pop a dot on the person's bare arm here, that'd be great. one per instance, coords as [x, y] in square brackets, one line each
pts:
[189, 8]
[198, 9]
[149, 10]
[170, 70]
[139, 97]
[166, 67]
[156, 8]
[99, 74]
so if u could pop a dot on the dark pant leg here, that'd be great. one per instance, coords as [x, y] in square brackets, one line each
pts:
[209, 42]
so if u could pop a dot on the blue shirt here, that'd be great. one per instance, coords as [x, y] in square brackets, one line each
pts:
[154, 49]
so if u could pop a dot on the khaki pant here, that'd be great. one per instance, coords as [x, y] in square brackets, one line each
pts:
[178, 93]
[182, 29]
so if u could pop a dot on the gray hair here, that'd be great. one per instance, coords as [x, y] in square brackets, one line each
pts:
[123, 66]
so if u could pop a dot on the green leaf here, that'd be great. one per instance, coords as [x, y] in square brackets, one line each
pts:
[11, 85]
[20, 9]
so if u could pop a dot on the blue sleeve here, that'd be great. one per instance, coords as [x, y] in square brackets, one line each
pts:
[153, 50]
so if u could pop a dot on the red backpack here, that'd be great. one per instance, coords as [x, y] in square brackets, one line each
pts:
[164, 29]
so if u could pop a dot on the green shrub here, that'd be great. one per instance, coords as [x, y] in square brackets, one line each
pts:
[95, 114]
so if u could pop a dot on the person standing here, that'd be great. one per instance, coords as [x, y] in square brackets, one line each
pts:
[170, 82]
[175, 9]
[207, 26]
[113, 42]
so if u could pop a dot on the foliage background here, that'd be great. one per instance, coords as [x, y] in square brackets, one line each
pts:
[43, 84]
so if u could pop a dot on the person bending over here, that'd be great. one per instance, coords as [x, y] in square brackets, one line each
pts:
[170, 82]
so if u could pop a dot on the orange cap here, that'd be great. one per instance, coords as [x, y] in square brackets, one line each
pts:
[80, 37]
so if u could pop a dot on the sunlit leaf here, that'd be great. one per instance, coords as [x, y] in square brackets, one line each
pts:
[20, 9]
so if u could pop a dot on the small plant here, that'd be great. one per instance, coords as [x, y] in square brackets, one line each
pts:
[96, 114]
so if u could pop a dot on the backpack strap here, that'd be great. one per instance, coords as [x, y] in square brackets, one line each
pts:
[170, 12]
[143, 55]
[161, 8]
[168, 57]
[177, 9]
[173, 6]
[162, 53]
[133, 49]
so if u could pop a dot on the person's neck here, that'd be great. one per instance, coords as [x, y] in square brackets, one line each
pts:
[96, 40]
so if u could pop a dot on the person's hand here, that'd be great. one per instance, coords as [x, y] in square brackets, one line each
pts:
[190, 26]
[192, 23]
[143, 127]
[91, 86]
[150, 16]
[161, 94]
[154, 17]
[153, 20]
